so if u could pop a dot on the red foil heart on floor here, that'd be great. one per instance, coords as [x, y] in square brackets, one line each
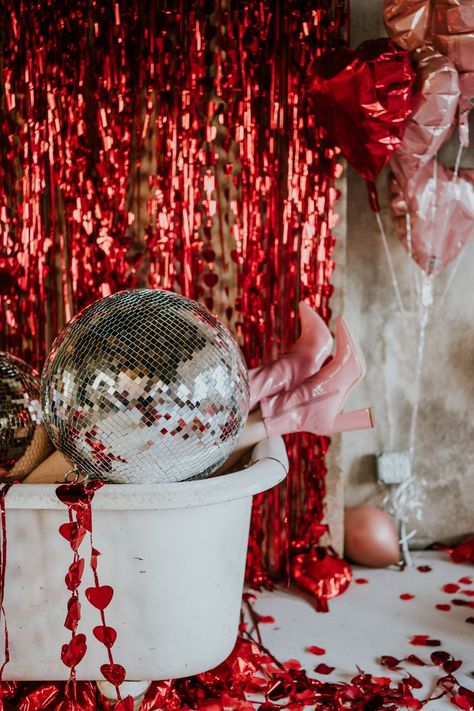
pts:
[363, 97]
[73, 651]
[100, 596]
[106, 635]
[321, 574]
[115, 673]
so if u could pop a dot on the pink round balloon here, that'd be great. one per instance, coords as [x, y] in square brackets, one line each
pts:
[370, 537]
[440, 205]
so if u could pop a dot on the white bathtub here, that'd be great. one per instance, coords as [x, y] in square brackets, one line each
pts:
[174, 554]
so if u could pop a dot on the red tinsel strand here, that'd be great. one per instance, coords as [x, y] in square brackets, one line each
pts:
[174, 147]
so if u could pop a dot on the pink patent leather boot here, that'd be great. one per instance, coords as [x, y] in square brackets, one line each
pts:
[315, 405]
[303, 359]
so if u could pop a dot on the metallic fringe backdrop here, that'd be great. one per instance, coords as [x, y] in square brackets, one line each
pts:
[172, 144]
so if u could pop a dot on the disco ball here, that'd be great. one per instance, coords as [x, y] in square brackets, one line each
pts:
[145, 386]
[24, 442]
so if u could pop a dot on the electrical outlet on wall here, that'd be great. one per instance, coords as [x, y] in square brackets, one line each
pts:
[393, 467]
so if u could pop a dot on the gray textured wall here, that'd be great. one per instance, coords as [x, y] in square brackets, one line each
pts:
[444, 455]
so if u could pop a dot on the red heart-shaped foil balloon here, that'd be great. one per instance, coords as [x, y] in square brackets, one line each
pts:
[73, 651]
[106, 635]
[363, 97]
[73, 533]
[100, 596]
[439, 203]
[321, 574]
[115, 673]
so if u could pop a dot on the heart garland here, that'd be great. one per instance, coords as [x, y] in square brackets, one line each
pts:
[78, 499]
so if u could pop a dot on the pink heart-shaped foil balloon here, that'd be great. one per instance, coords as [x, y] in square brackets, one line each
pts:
[440, 206]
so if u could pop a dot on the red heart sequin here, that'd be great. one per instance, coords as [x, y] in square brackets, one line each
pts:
[84, 518]
[74, 574]
[72, 494]
[73, 533]
[115, 673]
[73, 614]
[100, 596]
[73, 651]
[106, 635]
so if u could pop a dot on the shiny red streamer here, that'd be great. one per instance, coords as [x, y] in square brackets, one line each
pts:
[174, 146]
[253, 678]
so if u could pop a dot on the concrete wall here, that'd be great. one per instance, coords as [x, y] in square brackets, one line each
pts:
[442, 499]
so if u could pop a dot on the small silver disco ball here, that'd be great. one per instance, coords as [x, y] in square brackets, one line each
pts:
[23, 440]
[145, 386]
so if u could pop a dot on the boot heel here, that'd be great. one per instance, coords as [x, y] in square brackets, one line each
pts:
[355, 420]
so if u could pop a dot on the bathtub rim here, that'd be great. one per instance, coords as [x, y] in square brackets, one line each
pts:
[268, 466]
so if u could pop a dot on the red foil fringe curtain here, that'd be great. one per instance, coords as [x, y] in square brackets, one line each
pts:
[172, 144]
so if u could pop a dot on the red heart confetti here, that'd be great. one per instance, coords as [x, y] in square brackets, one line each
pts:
[74, 574]
[323, 669]
[450, 588]
[464, 700]
[462, 603]
[319, 651]
[466, 580]
[406, 596]
[266, 619]
[125, 704]
[390, 662]
[424, 568]
[468, 593]
[446, 661]
[74, 650]
[73, 533]
[413, 659]
[106, 635]
[361, 581]
[444, 608]
[470, 620]
[423, 640]
[292, 664]
[100, 596]
[115, 673]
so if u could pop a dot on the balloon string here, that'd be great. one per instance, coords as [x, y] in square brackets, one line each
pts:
[426, 302]
[458, 162]
[390, 265]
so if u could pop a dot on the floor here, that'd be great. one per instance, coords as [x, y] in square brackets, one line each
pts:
[371, 619]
